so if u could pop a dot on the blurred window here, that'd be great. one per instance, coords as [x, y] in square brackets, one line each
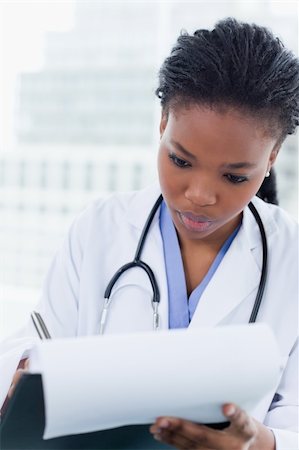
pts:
[79, 119]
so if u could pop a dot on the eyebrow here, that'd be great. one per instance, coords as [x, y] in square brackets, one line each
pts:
[182, 149]
[238, 165]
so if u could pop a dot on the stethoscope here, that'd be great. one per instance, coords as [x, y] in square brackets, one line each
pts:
[137, 262]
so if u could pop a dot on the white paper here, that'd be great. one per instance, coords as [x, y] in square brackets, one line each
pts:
[101, 382]
[11, 354]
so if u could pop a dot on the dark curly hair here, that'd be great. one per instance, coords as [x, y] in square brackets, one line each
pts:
[237, 65]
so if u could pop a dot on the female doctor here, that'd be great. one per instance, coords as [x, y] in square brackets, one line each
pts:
[229, 98]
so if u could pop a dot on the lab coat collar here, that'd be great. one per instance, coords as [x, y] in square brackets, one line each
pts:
[143, 201]
[239, 275]
[251, 230]
[141, 204]
[138, 211]
[240, 270]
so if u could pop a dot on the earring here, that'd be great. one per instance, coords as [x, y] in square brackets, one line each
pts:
[267, 174]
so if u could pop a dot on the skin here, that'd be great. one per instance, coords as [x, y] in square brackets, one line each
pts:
[206, 196]
[198, 147]
[206, 206]
[243, 433]
[22, 368]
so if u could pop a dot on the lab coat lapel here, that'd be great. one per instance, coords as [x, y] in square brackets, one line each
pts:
[152, 253]
[236, 278]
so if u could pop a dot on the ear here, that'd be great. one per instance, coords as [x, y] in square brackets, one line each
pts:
[163, 122]
[273, 156]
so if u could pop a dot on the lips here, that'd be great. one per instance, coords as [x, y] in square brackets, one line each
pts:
[194, 222]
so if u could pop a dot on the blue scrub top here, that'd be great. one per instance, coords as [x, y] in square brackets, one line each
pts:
[182, 308]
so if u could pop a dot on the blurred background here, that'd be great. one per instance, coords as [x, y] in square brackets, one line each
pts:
[79, 118]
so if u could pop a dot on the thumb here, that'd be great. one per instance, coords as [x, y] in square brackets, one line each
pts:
[240, 422]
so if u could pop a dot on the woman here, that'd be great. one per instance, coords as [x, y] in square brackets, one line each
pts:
[229, 99]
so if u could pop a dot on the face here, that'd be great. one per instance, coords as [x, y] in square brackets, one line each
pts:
[210, 165]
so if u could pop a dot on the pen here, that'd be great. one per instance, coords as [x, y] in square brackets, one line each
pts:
[40, 326]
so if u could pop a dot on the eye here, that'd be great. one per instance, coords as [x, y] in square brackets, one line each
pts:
[236, 179]
[178, 161]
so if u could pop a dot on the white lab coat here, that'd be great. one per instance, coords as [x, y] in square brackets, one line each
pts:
[105, 236]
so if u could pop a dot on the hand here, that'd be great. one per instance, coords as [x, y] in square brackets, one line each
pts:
[243, 433]
[22, 368]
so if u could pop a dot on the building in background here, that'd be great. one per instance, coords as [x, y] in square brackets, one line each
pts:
[86, 124]
[97, 83]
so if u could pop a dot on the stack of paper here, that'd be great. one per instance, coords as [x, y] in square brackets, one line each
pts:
[100, 382]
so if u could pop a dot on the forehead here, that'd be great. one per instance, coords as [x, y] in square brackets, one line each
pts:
[228, 132]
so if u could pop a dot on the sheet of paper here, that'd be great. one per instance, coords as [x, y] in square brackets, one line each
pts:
[11, 354]
[95, 383]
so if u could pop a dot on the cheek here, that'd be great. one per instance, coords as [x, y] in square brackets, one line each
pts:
[236, 200]
[253, 188]
[171, 185]
[164, 171]
[168, 184]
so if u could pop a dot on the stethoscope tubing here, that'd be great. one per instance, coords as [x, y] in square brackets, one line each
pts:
[130, 265]
[137, 262]
[264, 271]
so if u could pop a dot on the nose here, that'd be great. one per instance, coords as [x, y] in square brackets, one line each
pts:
[200, 192]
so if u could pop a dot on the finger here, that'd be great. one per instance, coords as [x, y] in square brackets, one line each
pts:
[26, 364]
[23, 363]
[161, 431]
[15, 381]
[181, 431]
[176, 440]
[241, 423]
[154, 428]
